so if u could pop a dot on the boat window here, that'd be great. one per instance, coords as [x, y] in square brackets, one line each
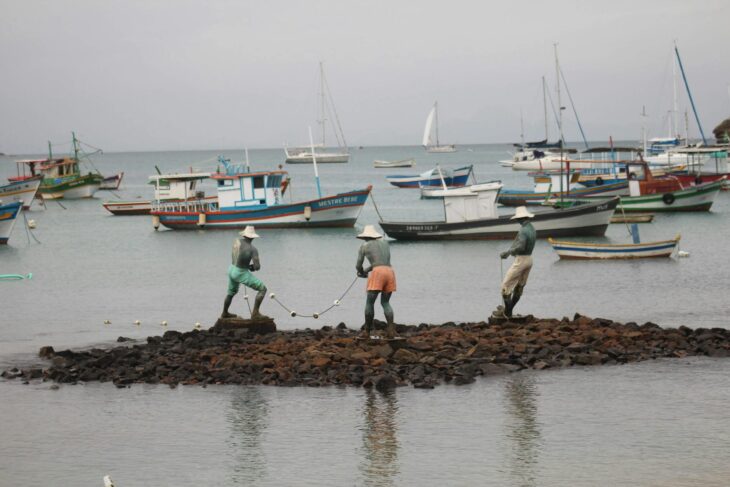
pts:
[225, 182]
[274, 181]
[258, 182]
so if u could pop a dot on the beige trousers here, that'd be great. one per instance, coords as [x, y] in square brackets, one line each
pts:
[517, 273]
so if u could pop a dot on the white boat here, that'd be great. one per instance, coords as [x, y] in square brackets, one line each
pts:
[385, 164]
[596, 251]
[23, 191]
[112, 182]
[431, 134]
[306, 155]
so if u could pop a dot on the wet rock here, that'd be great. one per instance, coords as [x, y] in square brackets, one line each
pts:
[384, 383]
[46, 352]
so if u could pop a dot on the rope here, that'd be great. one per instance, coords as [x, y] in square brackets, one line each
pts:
[27, 230]
[376, 206]
[294, 314]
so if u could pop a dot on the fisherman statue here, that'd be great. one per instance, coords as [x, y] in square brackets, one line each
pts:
[244, 261]
[516, 277]
[381, 278]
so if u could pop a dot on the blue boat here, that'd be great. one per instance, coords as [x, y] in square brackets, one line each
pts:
[436, 177]
[254, 198]
[8, 214]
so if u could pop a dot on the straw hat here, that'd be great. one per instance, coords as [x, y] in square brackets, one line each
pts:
[249, 232]
[369, 232]
[522, 212]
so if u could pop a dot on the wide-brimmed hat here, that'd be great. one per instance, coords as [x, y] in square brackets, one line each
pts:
[521, 212]
[369, 232]
[249, 232]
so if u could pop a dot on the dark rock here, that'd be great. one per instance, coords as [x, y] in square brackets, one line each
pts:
[124, 339]
[255, 327]
[46, 352]
[385, 383]
[342, 326]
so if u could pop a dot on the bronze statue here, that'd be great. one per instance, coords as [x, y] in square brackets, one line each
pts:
[381, 278]
[245, 260]
[516, 278]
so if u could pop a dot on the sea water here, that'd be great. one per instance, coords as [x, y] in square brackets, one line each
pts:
[655, 423]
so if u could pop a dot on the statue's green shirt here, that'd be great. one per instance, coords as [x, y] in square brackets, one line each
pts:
[525, 241]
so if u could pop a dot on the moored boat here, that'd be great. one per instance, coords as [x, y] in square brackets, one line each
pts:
[24, 190]
[8, 215]
[431, 134]
[401, 163]
[559, 185]
[597, 251]
[112, 182]
[168, 188]
[255, 198]
[434, 177]
[471, 213]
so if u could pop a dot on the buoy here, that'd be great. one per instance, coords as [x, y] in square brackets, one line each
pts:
[31, 223]
[163, 323]
[108, 482]
[107, 322]
[293, 314]
[337, 302]
[315, 315]
[272, 295]
[245, 296]
[156, 221]
[682, 253]
[197, 325]
[307, 212]
[137, 322]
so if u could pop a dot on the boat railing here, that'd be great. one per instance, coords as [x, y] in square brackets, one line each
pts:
[188, 206]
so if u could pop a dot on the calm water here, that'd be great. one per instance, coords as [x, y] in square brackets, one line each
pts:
[659, 423]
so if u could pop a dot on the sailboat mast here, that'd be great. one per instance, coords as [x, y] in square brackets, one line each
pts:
[322, 120]
[560, 117]
[522, 129]
[675, 129]
[76, 146]
[689, 95]
[50, 151]
[544, 107]
[643, 129]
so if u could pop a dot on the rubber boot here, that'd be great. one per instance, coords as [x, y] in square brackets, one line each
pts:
[507, 298]
[516, 295]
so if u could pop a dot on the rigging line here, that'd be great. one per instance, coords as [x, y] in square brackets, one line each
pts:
[28, 229]
[552, 106]
[575, 112]
[334, 110]
[376, 206]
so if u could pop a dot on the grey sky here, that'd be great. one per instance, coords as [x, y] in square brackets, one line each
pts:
[159, 75]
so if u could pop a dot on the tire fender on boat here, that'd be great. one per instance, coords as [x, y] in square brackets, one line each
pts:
[668, 198]
[599, 181]
[156, 221]
[201, 219]
[307, 212]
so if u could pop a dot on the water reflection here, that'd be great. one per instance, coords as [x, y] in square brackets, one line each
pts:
[248, 417]
[522, 429]
[379, 452]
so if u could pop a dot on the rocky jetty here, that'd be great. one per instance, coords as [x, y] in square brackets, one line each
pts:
[425, 356]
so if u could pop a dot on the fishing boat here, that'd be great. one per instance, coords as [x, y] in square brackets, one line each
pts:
[558, 186]
[23, 191]
[386, 164]
[307, 154]
[433, 177]
[597, 251]
[254, 198]
[431, 134]
[471, 213]
[174, 188]
[649, 193]
[8, 214]
[62, 177]
[112, 182]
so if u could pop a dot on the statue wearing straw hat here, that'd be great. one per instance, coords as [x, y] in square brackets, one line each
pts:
[516, 278]
[381, 278]
[245, 259]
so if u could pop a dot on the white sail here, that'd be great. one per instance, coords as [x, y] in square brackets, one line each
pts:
[429, 125]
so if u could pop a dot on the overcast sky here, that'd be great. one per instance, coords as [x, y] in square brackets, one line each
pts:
[175, 75]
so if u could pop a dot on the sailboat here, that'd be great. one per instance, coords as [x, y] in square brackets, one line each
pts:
[431, 133]
[305, 155]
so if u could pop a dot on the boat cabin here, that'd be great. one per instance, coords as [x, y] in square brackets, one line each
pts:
[249, 189]
[178, 186]
[476, 202]
[48, 168]
[643, 182]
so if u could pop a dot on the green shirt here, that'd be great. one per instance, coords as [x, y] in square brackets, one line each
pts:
[524, 241]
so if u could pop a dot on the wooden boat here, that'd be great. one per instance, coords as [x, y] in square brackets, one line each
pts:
[587, 250]
[307, 155]
[648, 193]
[24, 190]
[434, 177]
[173, 188]
[62, 177]
[386, 164]
[632, 218]
[8, 215]
[254, 198]
[112, 182]
[431, 134]
[560, 185]
[471, 213]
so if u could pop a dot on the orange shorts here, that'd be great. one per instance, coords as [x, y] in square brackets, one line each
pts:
[382, 278]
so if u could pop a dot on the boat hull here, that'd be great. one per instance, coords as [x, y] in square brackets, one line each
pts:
[387, 164]
[23, 191]
[441, 149]
[321, 158]
[592, 251]
[521, 198]
[458, 178]
[139, 207]
[584, 220]
[72, 188]
[112, 182]
[695, 198]
[8, 215]
[340, 210]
